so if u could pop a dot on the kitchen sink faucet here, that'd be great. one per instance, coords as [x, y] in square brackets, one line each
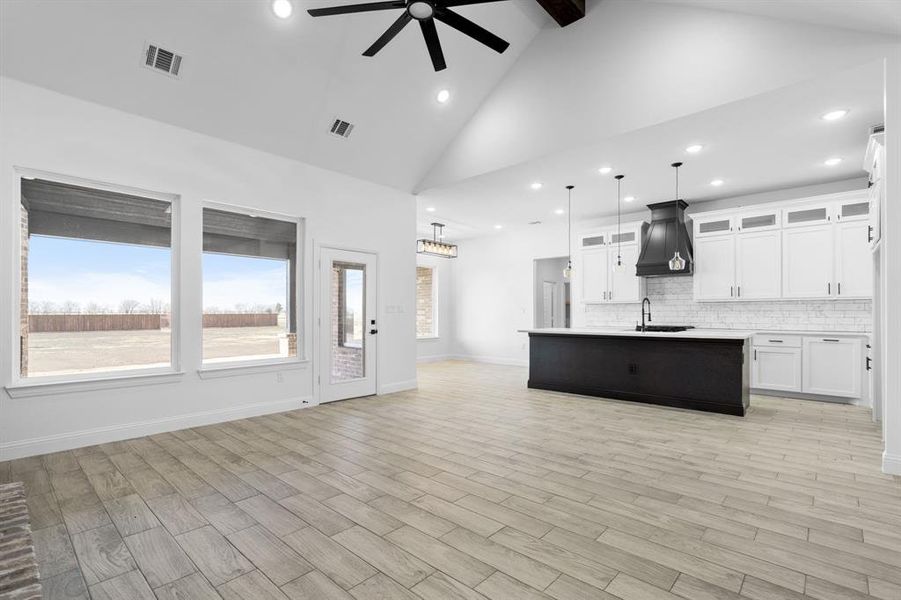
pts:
[643, 302]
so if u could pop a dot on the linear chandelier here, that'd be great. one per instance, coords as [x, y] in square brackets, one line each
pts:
[434, 246]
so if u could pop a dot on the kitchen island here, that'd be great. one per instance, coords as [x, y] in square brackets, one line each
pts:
[701, 369]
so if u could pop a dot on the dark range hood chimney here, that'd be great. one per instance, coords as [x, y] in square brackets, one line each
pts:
[660, 241]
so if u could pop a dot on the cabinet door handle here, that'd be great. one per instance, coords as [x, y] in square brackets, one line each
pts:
[755, 353]
[605, 295]
[829, 288]
[839, 288]
[777, 341]
[739, 291]
[731, 290]
[869, 233]
[869, 364]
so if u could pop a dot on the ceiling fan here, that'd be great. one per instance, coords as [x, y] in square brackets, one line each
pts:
[424, 11]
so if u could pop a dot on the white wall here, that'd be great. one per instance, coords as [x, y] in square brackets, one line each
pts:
[891, 270]
[48, 131]
[493, 294]
[440, 347]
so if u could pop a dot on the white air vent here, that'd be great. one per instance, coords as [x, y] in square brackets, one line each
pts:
[341, 128]
[162, 60]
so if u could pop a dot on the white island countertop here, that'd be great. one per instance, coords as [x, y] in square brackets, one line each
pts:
[695, 334]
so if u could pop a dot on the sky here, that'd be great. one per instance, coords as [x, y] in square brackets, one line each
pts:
[85, 272]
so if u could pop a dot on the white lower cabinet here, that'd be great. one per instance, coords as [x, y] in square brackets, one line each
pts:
[776, 368]
[832, 366]
[816, 365]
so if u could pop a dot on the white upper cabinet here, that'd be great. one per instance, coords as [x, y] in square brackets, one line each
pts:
[817, 248]
[594, 275]
[601, 283]
[625, 286]
[807, 262]
[714, 267]
[853, 260]
[758, 258]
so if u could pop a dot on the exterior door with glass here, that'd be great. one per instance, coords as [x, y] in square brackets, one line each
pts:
[347, 324]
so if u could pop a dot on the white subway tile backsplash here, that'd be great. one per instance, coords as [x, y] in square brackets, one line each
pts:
[672, 304]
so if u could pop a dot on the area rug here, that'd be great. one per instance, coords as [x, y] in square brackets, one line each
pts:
[19, 578]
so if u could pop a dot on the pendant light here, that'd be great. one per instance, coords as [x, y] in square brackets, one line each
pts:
[677, 263]
[619, 267]
[568, 271]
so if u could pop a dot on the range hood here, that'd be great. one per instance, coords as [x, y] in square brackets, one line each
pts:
[660, 240]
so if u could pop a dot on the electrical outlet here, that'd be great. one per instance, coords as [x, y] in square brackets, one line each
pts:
[279, 377]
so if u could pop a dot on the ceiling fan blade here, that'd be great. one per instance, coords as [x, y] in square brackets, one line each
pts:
[451, 3]
[476, 32]
[389, 34]
[355, 8]
[430, 33]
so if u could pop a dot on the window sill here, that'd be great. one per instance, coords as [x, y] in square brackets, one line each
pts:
[71, 386]
[218, 370]
[427, 338]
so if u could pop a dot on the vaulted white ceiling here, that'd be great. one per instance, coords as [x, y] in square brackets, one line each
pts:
[274, 85]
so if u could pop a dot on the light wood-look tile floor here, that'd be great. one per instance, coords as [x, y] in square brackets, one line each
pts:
[475, 487]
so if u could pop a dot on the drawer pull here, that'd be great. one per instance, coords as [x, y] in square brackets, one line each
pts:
[777, 341]
[830, 340]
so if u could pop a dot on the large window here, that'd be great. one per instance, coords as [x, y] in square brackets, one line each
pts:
[249, 287]
[426, 305]
[95, 281]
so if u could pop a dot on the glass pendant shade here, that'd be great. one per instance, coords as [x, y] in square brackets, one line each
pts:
[618, 266]
[568, 271]
[677, 263]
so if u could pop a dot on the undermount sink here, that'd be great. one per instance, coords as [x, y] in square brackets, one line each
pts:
[664, 328]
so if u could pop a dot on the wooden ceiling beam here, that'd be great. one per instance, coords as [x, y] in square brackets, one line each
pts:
[564, 11]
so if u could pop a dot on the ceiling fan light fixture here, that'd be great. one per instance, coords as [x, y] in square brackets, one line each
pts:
[421, 10]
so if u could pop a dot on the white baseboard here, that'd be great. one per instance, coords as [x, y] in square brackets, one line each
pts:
[492, 360]
[113, 433]
[891, 463]
[399, 386]
[434, 358]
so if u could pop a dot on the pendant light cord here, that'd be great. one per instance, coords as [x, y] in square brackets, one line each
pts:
[619, 230]
[676, 166]
[569, 227]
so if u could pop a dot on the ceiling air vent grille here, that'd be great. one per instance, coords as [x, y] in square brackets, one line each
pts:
[160, 59]
[341, 128]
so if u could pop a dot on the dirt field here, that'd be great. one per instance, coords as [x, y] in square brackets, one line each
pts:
[78, 352]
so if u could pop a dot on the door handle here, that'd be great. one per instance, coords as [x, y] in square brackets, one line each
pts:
[869, 233]
[373, 331]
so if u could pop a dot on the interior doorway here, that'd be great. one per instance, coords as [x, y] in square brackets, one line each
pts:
[347, 324]
[552, 293]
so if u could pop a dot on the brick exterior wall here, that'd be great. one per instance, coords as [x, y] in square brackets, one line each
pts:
[425, 310]
[347, 361]
[23, 308]
[672, 303]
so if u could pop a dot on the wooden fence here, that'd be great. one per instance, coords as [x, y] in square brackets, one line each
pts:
[111, 322]
[131, 322]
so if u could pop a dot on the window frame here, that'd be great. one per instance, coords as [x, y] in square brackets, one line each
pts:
[222, 366]
[435, 316]
[21, 386]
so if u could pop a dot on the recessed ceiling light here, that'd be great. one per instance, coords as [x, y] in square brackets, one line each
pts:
[282, 8]
[498, 226]
[834, 115]
[430, 209]
[559, 211]
[443, 96]
[717, 182]
[628, 198]
[605, 170]
[537, 185]
[831, 162]
[694, 148]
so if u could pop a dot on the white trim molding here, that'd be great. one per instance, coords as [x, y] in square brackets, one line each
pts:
[492, 360]
[36, 387]
[891, 463]
[399, 386]
[100, 435]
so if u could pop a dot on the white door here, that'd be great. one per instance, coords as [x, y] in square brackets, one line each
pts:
[714, 265]
[594, 275]
[807, 262]
[347, 324]
[549, 304]
[758, 265]
[832, 366]
[776, 369]
[853, 260]
[624, 286]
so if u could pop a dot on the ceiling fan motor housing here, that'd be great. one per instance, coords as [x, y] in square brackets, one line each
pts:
[421, 9]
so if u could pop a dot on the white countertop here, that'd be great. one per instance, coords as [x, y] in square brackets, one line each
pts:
[705, 334]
